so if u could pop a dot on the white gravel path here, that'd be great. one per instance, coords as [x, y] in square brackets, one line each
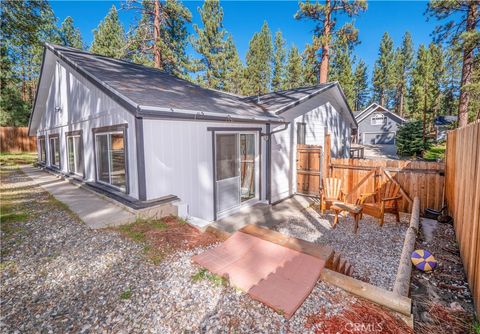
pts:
[374, 251]
[60, 276]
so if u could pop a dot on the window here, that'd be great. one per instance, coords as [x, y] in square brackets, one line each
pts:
[75, 153]
[111, 158]
[301, 133]
[378, 119]
[54, 151]
[42, 150]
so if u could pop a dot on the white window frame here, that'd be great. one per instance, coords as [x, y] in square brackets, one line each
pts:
[378, 119]
[75, 156]
[42, 150]
[124, 189]
[56, 144]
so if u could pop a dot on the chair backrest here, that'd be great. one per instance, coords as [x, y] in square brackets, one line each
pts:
[388, 189]
[332, 187]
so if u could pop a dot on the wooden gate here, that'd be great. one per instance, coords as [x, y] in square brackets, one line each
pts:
[309, 171]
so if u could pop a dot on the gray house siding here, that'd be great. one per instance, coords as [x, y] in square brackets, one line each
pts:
[369, 133]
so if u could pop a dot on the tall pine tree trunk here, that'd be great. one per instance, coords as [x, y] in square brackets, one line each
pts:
[156, 35]
[401, 103]
[325, 44]
[467, 69]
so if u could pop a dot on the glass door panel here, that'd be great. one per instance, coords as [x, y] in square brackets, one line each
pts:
[227, 171]
[247, 166]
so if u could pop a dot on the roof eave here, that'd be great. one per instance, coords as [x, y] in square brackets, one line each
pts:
[173, 113]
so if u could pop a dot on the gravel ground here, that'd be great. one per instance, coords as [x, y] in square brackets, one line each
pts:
[374, 251]
[58, 276]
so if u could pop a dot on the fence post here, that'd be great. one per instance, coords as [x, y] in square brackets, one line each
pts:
[328, 155]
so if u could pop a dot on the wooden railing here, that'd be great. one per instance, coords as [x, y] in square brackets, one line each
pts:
[463, 198]
[14, 139]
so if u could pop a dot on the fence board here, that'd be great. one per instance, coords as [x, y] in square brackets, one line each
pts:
[417, 178]
[14, 139]
[462, 194]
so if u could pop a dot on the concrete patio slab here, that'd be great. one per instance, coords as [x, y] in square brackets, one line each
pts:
[95, 211]
[266, 215]
[278, 276]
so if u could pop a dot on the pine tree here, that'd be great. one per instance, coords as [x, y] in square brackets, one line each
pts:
[461, 30]
[383, 79]
[210, 44]
[259, 62]
[360, 86]
[326, 16]
[234, 75]
[109, 37]
[341, 65]
[70, 35]
[421, 94]
[409, 139]
[25, 26]
[453, 74]
[402, 67]
[278, 62]
[293, 78]
[438, 78]
[310, 66]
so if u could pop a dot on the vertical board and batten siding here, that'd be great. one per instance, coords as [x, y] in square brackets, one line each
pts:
[321, 118]
[83, 107]
[417, 178]
[16, 139]
[179, 161]
[463, 198]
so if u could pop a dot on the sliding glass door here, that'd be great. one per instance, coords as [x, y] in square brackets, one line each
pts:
[111, 161]
[236, 168]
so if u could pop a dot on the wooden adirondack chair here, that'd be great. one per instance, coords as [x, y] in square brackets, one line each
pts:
[385, 200]
[332, 192]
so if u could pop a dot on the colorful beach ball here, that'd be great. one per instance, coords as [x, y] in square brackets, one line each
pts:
[423, 260]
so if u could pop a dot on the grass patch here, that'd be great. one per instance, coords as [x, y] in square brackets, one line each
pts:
[476, 327]
[204, 274]
[14, 159]
[137, 231]
[10, 217]
[7, 265]
[435, 152]
[127, 294]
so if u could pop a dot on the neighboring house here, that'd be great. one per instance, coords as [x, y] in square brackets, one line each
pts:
[442, 125]
[145, 137]
[377, 125]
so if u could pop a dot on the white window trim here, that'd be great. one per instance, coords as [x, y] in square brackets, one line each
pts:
[79, 136]
[125, 188]
[56, 139]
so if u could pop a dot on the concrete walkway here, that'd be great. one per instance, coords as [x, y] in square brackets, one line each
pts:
[94, 210]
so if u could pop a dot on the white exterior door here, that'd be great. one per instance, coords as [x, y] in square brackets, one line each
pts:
[236, 170]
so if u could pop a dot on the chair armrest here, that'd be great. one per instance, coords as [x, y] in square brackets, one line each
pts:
[391, 198]
[364, 196]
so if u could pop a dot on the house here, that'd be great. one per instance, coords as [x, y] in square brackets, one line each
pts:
[147, 138]
[442, 125]
[377, 125]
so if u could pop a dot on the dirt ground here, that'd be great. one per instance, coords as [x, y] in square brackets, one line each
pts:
[442, 302]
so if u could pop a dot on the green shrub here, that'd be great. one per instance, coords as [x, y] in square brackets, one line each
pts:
[409, 139]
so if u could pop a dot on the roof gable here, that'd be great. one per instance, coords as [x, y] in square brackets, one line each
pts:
[375, 107]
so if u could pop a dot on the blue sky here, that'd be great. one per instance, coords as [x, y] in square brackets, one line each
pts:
[243, 18]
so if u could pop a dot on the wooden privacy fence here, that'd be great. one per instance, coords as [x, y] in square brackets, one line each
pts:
[416, 178]
[14, 139]
[463, 198]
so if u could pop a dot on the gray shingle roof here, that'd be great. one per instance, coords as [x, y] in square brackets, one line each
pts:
[281, 100]
[149, 92]
[152, 89]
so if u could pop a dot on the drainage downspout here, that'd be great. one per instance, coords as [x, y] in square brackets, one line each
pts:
[268, 157]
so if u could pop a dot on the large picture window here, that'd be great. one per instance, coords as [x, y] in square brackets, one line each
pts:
[75, 153]
[42, 150]
[54, 151]
[111, 158]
